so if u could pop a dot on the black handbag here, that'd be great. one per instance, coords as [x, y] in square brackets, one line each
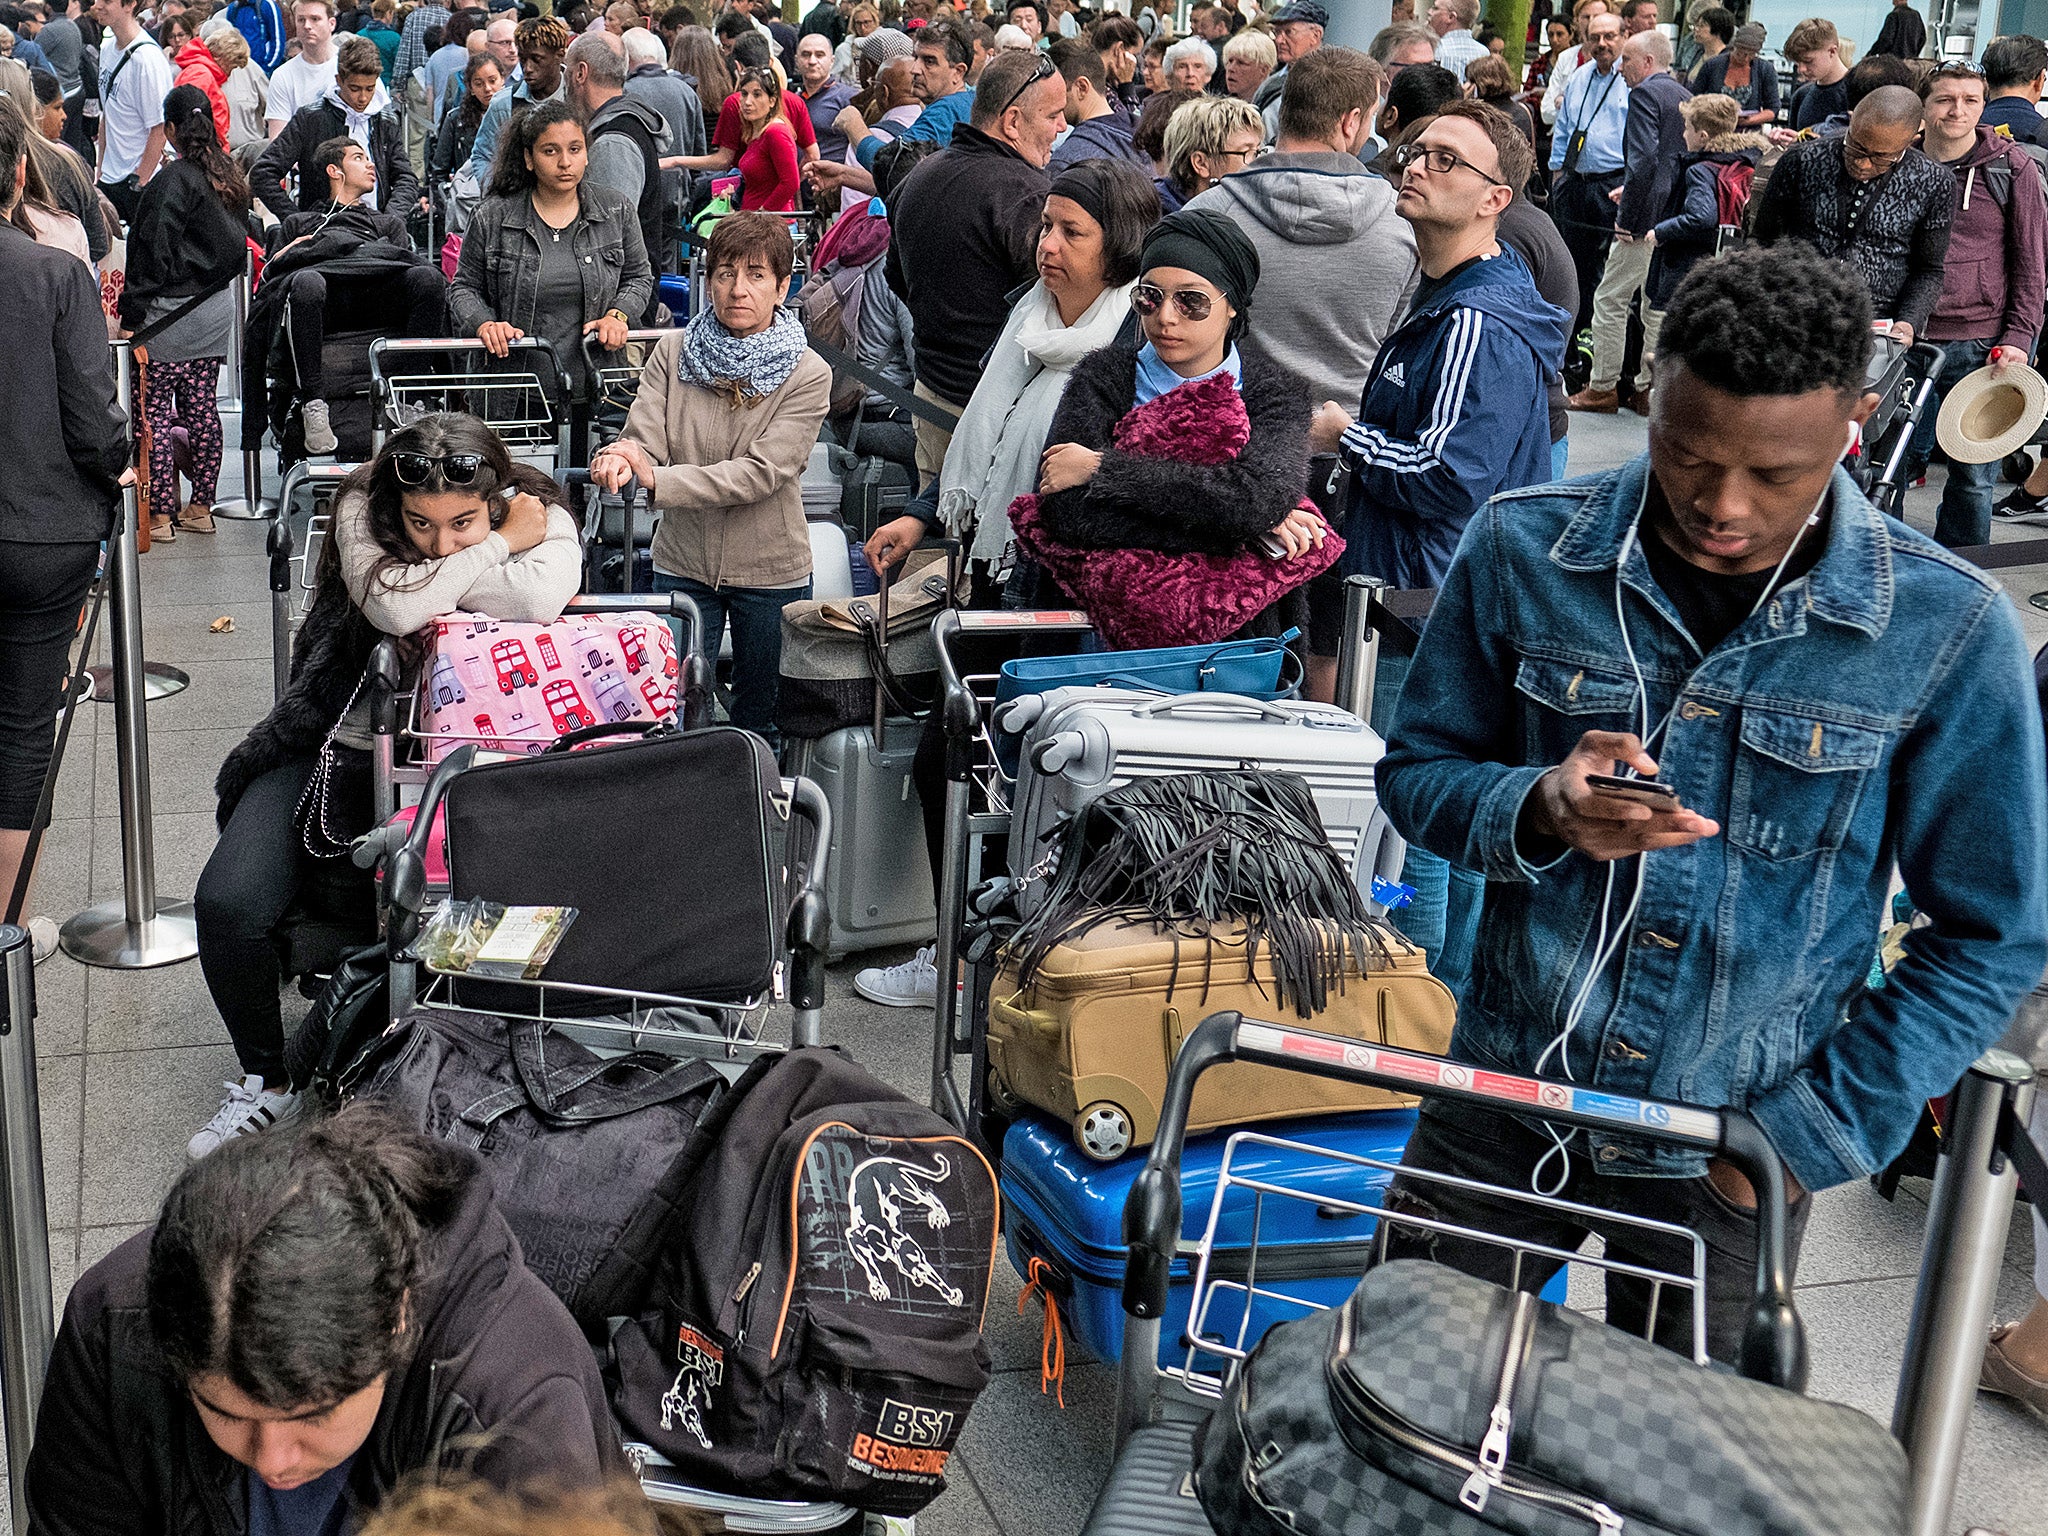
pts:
[575, 1143]
[1431, 1402]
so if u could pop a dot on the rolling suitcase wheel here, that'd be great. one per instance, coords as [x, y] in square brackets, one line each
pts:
[1000, 1099]
[1103, 1131]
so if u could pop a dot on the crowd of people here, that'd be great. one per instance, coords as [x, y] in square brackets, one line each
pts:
[1179, 329]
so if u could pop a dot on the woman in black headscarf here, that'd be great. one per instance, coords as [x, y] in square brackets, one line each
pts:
[1170, 493]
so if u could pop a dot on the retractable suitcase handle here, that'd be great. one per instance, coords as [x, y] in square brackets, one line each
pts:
[958, 711]
[1773, 1343]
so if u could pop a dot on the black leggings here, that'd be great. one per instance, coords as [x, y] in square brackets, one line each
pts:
[41, 588]
[257, 871]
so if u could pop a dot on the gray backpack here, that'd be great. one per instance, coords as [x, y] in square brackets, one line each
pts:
[1431, 1403]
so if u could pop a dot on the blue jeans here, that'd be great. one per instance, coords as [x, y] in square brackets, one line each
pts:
[1560, 457]
[756, 616]
[1965, 516]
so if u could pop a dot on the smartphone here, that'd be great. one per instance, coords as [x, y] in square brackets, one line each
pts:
[1271, 545]
[1658, 797]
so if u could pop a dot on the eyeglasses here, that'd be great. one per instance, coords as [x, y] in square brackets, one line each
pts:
[1246, 155]
[1850, 151]
[415, 469]
[1193, 304]
[1441, 161]
[1045, 71]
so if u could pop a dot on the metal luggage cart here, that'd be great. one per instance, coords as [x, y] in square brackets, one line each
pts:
[298, 531]
[696, 245]
[522, 398]
[1157, 1408]
[978, 799]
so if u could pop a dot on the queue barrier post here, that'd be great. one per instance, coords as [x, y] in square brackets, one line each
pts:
[140, 930]
[1959, 1268]
[27, 1308]
[250, 505]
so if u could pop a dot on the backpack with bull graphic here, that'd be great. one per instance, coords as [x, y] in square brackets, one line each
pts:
[813, 1327]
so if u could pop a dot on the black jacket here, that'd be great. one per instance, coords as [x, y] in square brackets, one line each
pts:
[1533, 236]
[452, 141]
[501, 1383]
[1652, 145]
[963, 232]
[1134, 501]
[297, 142]
[1689, 228]
[1903, 34]
[57, 388]
[183, 242]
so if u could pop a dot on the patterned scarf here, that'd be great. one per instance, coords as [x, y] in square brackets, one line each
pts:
[744, 369]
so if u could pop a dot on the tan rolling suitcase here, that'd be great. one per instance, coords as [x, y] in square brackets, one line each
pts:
[1090, 1040]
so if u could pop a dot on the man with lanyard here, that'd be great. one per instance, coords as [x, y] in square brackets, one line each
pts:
[1814, 696]
[133, 84]
[1586, 157]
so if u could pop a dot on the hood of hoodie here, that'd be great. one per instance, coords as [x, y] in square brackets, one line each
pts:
[1991, 144]
[379, 103]
[1504, 289]
[1727, 148]
[634, 106]
[1312, 198]
[194, 55]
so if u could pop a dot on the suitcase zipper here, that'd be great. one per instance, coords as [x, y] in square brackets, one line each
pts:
[1493, 1447]
[1391, 1426]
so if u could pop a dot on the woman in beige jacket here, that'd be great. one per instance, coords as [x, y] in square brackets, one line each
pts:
[723, 425]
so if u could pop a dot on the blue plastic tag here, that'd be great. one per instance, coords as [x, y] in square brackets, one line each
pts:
[1391, 893]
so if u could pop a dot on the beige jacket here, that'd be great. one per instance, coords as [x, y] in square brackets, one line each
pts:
[728, 479]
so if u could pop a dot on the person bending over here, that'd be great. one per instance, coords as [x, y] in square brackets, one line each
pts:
[425, 528]
[1823, 689]
[315, 1318]
[347, 259]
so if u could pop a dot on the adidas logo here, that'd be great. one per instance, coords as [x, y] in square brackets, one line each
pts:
[1396, 376]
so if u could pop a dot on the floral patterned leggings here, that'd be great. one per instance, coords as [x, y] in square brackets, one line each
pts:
[182, 395]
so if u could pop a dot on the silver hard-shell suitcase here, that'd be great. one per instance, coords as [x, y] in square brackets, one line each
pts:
[1083, 742]
[879, 875]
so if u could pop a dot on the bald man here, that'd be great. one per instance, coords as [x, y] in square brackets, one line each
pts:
[1870, 199]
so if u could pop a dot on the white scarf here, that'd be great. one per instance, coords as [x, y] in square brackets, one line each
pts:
[359, 127]
[993, 458]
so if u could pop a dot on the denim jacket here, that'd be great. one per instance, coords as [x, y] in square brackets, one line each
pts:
[1878, 710]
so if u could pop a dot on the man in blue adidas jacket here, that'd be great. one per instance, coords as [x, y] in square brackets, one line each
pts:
[1456, 408]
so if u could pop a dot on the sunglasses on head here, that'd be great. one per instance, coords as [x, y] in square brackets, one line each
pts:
[1147, 299]
[1045, 71]
[415, 469]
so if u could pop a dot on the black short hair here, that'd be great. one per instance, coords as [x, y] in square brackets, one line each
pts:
[953, 40]
[331, 153]
[1771, 320]
[1720, 21]
[1155, 114]
[1420, 90]
[733, 24]
[49, 89]
[1076, 58]
[751, 51]
[1875, 72]
[2014, 61]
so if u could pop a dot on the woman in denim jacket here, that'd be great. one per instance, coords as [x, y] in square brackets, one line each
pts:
[545, 255]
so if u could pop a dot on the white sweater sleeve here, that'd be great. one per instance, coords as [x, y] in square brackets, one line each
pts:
[485, 578]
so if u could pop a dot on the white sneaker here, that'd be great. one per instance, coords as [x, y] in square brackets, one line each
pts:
[913, 984]
[248, 1110]
[320, 436]
[42, 937]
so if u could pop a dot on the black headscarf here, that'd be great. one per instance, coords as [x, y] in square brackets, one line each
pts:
[1199, 240]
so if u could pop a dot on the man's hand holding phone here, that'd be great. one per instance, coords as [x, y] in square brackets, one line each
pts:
[1582, 804]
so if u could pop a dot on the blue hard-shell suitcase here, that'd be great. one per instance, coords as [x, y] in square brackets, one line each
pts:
[1067, 1209]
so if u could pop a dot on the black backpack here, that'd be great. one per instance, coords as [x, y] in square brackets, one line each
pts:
[813, 1327]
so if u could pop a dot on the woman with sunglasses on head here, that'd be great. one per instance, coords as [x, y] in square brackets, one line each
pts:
[1181, 447]
[441, 521]
[548, 253]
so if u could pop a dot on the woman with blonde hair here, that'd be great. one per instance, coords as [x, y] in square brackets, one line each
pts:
[246, 90]
[860, 21]
[1208, 139]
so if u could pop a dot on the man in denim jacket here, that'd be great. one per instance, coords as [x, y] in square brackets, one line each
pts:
[1830, 694]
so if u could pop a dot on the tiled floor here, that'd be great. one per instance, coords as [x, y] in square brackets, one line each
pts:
[132, 1064]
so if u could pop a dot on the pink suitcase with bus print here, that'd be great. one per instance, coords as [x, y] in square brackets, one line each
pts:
[516, 687]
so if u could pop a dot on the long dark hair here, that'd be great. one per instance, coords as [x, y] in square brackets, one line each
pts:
[284, 1263]
[511, 176]
[471, 112]
[436, 436]
[194, 138]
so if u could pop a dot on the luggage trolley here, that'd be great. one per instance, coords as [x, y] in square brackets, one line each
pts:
[305, 511]
[519, 398]
[1158, 1408]
[698, 1013]
[611, 523]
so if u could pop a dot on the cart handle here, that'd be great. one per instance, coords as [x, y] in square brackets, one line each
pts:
[278, 543]
[1773, 1343]
[405, 877]
[384, 346]
[808, 931]
[957, 709]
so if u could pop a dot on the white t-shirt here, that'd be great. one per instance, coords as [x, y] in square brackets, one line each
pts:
[298, 83]
[134, 106]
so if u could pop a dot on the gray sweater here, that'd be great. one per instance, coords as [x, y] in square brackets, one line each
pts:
[1336, 265]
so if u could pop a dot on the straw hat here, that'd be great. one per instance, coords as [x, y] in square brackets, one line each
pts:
[1985, 418]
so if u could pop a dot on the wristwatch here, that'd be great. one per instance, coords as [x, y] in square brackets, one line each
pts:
[621, 314]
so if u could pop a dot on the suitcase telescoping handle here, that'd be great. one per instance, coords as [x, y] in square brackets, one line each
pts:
[1773, 1343]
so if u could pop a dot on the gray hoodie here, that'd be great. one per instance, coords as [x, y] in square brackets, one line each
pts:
[1336, 265]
